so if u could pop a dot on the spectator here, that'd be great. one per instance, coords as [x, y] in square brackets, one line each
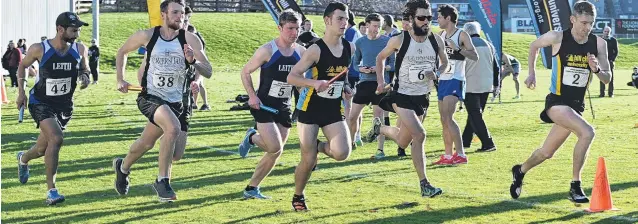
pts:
[22, 45]
[362, 27]
[94, 60]
[612, 53]
[352, 33]
[634, 78]
[388, 26]
[308, 37]
[10, 61]
[482, 78]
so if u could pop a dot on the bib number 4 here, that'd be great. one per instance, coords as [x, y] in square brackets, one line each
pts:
[58, 87]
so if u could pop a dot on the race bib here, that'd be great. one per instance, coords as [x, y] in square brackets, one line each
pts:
[416, 73]
[576, 77]
[450, 69]
[280, 89]
[333, 92]
[164, 81]
[58, 87]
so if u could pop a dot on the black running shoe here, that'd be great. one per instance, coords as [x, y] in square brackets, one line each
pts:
[121, 179]
[486, 149]
[576, 193]
[299, 203]
[205, 107]
[401, 152]
[517, 183]
[164, 190]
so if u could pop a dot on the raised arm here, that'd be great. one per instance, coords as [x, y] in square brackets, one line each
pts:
[202, 65]
[34, 53]
[467, 49]
[393, 45]
[140, 38]
[84, 66]
[260, 57]
[296, 75]
[602, 66]
[443, 60]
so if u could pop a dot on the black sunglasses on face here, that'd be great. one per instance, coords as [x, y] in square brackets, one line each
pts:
[423, 18]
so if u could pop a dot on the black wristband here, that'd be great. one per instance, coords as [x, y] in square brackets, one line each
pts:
[598, 70]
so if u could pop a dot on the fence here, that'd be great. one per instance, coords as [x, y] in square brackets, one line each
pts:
[218, 6]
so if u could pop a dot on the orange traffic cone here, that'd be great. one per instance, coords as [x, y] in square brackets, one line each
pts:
[601, 195]
[3, 92]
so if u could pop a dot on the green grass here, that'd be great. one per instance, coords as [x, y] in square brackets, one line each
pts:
[210, 178]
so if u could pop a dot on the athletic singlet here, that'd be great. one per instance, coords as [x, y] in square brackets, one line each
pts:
[418, 59]
[274, 91]
[58, 75]
[166, 67]
[326, 68]
[456, 61]
[571, 73]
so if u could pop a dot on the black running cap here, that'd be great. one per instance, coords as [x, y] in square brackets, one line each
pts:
[69, 19]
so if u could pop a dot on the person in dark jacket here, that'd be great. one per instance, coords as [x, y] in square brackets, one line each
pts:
[10, 61]
[612, 50]
[94, 60]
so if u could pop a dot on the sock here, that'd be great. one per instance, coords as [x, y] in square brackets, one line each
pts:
[124, 171]
[250, 138]
[297, 197]
[386, 121]
[446, 156]
[461, 155]
[160, 178]
[250, 188]
[381, 150]
[425, 181]
[357, 135]
[575, 184]
[53, 189]
[20, 160]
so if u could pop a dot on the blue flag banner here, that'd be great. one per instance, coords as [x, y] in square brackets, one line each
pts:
[488, 14]
[549, 15]
[275, 7]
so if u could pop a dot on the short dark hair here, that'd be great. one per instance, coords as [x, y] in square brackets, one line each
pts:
[448, 10]
[188, 10]
[374, 17]
[164, 5]
[584, 8]
[289, 16]
[362, 23]
[332, 7]
[388, 20]
[411, 7]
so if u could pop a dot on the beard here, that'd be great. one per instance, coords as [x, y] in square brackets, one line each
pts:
[420, 31]
[175, 26]
[68, 39]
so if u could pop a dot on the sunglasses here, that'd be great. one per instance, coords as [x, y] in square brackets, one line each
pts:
[423, 18]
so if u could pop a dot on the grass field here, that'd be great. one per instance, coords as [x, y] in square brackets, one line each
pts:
[210, 178]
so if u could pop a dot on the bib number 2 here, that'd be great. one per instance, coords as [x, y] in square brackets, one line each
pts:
[577, 77]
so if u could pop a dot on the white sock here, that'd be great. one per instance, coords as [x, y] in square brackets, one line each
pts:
[124, 171]
[20, 160]
[160, 178]
[461, 155]
[357, 135]
[447, 156]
